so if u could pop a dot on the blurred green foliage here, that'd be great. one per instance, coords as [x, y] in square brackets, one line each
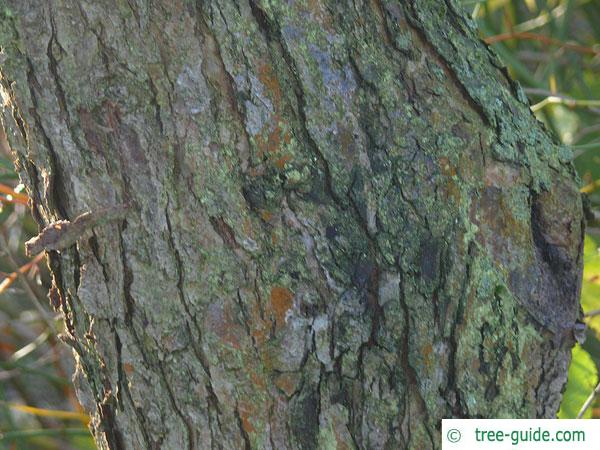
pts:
[37, 400]
[550, 46]
[583, 377]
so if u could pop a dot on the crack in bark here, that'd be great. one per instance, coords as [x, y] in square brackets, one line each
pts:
[157, 114]
[246, 321]
[53, 69]
[273, 35]
[202, 30]
[191, 434]
[226, 233]
[128, 319]
[405, 356]
[197, 350]
[420, 32]
[451, 385]
[243, 433]
[54, 184]
[120, 373]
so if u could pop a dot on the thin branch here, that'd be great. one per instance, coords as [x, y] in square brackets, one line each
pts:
[560, 100]
[25, 284]
[542, 92]
[592, 313]
[30, 347]
[541, 20]
[11, 277]
[16, 197]
[589, 401]
[525, 35]
[44, 412]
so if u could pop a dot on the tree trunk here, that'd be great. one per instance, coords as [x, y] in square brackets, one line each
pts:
[344, 222]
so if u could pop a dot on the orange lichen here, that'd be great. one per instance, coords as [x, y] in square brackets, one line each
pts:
[427, 351]
[281, 302]
[451, 189]
[447, 169]
[267, 358]
[246, 410]
[274, 141]
[247, 226]
[270, 81]
[221, 322]
[287, 383]
[271, 143]
[258, 380]
[260, 333]
[287, 137]
[281, 162]
[128, 368]
[265, 215]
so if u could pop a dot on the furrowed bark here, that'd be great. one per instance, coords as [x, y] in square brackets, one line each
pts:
[345, 222]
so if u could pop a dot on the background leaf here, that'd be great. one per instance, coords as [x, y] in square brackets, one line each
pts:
[583, 377]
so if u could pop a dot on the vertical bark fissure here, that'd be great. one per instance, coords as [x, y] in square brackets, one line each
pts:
[121, 381]
[191, 435]
[243, 433]
[202, 30]
[197, 349]
[129, 305]
[52, 68]
[413, 385]
[273, 35]
[416, 26]
[54, 180]
[456, 406]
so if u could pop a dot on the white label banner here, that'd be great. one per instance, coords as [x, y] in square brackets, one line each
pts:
[520, 434]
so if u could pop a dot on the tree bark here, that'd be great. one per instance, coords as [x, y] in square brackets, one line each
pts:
[345, 224]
